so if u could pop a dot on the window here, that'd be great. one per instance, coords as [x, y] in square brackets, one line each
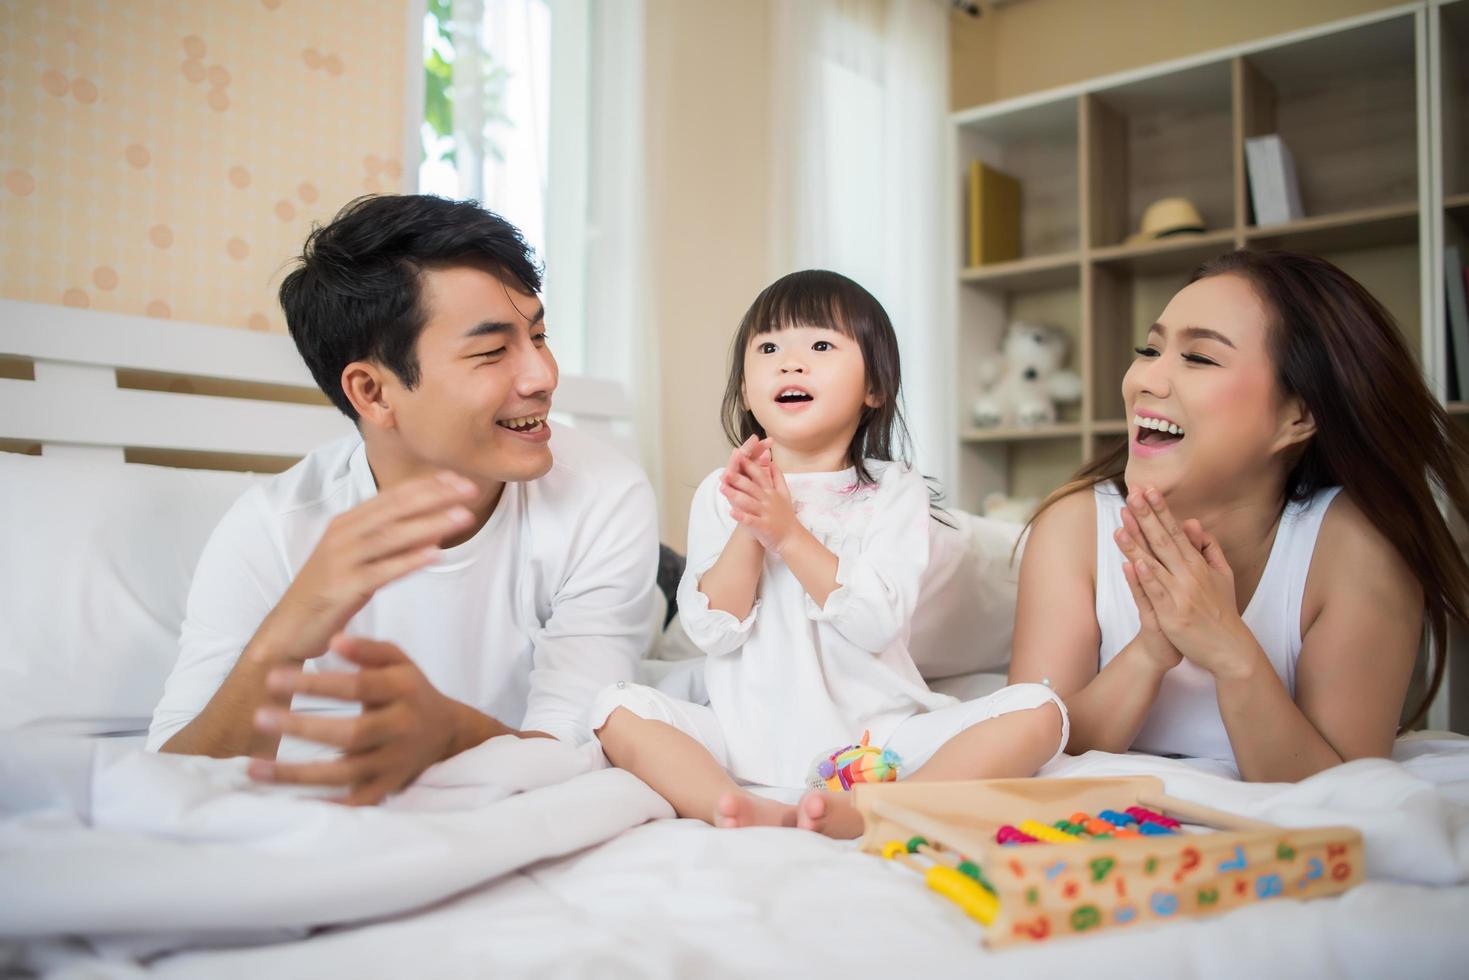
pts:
[503, 92]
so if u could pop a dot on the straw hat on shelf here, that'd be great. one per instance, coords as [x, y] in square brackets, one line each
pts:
[1166, 218]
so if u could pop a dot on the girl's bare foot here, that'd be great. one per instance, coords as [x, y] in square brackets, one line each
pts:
[831, 814]
[741, 809]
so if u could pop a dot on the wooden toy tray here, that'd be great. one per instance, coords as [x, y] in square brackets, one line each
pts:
[1218, 861]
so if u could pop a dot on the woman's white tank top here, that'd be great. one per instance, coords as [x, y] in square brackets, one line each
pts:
[1185, 718]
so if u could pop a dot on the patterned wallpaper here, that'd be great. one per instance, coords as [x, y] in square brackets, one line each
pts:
[168, 157]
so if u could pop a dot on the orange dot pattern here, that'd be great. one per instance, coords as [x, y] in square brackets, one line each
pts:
[330, 63]
[379, 174]
[55, 83]
[20, 183]
[167, 159]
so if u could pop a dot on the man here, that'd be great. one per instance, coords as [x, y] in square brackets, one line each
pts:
[451, 573]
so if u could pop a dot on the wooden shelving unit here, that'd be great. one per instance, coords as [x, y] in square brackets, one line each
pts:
[1347, 100]
[1375, 111]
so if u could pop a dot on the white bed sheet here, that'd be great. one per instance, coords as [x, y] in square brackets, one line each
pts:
[140, 854]
[678, 899]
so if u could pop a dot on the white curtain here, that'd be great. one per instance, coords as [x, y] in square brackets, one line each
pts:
[860, 91]
[501, 56]
[620, 337]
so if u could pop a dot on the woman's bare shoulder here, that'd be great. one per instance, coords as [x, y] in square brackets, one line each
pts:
[1064, 535]
[1354, 561]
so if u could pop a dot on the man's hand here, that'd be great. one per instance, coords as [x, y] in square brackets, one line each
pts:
[375, 543]
[379, 541]
[405, 725]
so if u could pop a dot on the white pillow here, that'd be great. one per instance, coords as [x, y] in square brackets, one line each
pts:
[965, 617]
[95, 563]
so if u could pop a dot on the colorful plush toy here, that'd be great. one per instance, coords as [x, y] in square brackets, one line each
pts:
[860, 763]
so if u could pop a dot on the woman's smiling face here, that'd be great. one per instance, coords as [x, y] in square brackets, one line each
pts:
[1205, 412]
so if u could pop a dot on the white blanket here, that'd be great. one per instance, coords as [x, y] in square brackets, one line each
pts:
[676, 898]
[141, 853]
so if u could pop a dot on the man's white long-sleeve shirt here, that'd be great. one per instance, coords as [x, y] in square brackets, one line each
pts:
[526, 621]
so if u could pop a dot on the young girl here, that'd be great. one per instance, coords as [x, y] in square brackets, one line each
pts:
[1246, 580]
[805, 554]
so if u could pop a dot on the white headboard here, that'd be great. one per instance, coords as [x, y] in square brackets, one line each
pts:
[109, 385]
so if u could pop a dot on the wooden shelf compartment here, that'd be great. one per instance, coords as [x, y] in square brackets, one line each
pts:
[1345, 105]
[986, 313]
[1038, 147]
[1018, 468]
[1454, 98]
[1392, 274]
[1160, 137]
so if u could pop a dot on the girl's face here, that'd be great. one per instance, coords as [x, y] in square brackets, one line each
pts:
[806, 387]
[1204, 411]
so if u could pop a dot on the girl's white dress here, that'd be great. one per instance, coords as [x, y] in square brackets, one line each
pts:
[793, 680]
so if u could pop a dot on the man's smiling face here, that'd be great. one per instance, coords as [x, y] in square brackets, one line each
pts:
[485, 379]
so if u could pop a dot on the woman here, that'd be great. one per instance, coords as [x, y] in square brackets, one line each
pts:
[1267, 544]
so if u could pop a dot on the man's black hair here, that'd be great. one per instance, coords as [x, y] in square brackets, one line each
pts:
[355, 295]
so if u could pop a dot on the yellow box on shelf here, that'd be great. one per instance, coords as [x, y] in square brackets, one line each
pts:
[994, 215]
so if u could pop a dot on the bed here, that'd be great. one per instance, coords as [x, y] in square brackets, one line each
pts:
[516, 858]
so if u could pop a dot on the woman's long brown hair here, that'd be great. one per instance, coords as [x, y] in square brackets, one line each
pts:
[1380, 433]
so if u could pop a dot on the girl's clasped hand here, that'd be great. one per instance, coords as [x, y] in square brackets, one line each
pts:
[759, 499]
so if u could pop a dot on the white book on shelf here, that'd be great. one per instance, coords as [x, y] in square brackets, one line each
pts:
[1293, 209]
[1274, 190]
